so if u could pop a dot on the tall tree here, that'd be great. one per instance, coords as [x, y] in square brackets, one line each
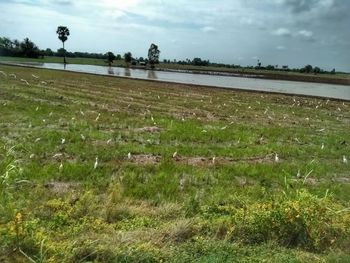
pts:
[29, 49]
[110, 58]
[153, 55]
[128, 58]
[63, 33]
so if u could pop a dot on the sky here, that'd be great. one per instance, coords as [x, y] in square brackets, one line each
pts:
[277, 32]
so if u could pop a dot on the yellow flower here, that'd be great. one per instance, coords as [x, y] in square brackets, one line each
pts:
[18, 217]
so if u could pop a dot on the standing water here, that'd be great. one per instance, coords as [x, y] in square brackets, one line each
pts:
[279, 86]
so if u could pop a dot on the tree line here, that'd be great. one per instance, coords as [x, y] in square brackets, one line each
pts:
[27, 48]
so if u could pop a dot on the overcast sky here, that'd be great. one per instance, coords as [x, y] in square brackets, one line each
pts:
[278, 32]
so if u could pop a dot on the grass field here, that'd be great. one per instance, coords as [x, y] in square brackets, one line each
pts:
[105, 169]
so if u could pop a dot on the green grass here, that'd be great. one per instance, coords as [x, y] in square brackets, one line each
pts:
[222, 198]
[47, 59]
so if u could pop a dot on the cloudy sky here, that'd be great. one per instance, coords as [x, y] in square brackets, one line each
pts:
[278, 32]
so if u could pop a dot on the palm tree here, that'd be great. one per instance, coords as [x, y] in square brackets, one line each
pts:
[63, 33]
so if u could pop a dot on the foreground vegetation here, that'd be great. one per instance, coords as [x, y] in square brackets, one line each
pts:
[103, 169]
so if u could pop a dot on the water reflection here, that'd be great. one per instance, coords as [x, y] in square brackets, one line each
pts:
[110, 71]
[152, 74]
[127, 72]
[281, 86]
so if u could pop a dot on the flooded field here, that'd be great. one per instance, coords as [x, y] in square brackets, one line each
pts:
[279, 86]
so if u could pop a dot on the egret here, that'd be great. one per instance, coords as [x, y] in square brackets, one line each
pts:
[213, 160]
[57, 155]
[109, 141]
[32, 156]
[174, 154]
[63, 141]
[98, 116]
[60, 168]
[344, 159]
[129, 156]
[26, 82]
[82, 137]
[37, 139]
[322, 146]
[96, 163]
[276, 158]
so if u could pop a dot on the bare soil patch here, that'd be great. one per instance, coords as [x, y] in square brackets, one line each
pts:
[61, 187]
[150, 129]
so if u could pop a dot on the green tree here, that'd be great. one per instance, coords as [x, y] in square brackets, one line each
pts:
[29, 49]
[63, 33]
[110, 58]
[128, 58]
[153, 55]
[317, 70]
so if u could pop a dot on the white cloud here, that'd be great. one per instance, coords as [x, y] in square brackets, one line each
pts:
[282, 32]
[208, 29]
[305, 33]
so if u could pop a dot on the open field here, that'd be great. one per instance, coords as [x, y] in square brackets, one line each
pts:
[105, 169]
[339, 78]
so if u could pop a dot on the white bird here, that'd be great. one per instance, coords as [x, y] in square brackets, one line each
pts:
[182, 183]
[322, 146]
[37, 108]
[174, 154]
[213, 160]
[32, 156]
[129, 156]
[82, 113]
[344, 159]
[37, 139]
[298, 174]
[60, 168]
[63, 140]
[96, 163]
[26, 82]
[82, 137]
[57, 155]
[276, 158]
[109, 141]
[98, 116]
